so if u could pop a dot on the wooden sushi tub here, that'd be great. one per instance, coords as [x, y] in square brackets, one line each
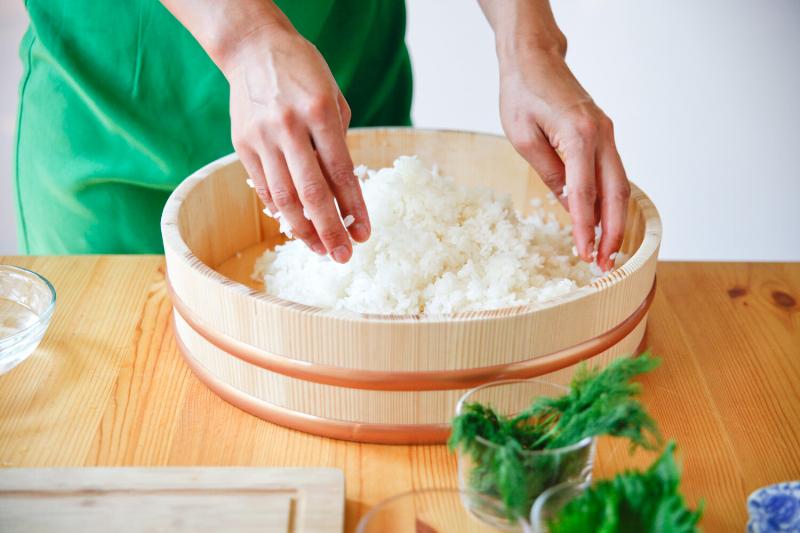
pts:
[372, 378]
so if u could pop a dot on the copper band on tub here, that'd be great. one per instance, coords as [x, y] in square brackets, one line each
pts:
[411, 380]
[316, 425]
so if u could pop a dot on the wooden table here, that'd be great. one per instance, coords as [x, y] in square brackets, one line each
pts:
[107, 387]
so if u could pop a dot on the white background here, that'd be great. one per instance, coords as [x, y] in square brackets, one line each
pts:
[703, 94]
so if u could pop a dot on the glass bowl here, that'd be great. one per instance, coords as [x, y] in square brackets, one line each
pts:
[27, 301]
[444, 510]
[542, 469]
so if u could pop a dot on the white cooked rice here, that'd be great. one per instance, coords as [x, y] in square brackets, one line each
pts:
[437, 247]
[284, 226]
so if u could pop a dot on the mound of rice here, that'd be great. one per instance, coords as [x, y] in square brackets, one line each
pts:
[437, 247]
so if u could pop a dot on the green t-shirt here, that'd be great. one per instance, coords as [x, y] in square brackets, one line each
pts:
[118, 104]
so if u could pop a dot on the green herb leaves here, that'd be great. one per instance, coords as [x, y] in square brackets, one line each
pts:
[646, 502]
[600, 402]
[516, 458]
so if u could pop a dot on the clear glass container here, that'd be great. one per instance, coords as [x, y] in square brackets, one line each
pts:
[27, 301]
[444, 510]
[550, 502]
[542, 469]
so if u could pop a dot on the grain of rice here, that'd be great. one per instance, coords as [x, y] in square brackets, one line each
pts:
[283, 224]
[360, 172]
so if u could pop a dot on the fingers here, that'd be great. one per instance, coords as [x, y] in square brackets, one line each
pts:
[579, 159]
[303, 187]
[286, 200]
[337, 168]
[537, 151]
[252, 164]
[316, 196]
[592, 172]
[344, 111]
[615, 193]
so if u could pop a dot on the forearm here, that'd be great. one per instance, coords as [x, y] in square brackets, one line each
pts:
[532, 47]
[527, 24]
[221, 26]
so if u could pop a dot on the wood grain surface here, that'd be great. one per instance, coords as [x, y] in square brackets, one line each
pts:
[174, 499]
[108, 388]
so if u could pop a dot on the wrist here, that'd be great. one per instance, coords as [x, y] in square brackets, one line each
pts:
[229, 47]
[525, 58]
[510, 45]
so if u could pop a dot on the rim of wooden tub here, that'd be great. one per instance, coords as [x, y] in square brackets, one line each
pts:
[405, 380]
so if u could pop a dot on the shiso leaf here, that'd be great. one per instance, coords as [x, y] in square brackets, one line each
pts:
[648, 502]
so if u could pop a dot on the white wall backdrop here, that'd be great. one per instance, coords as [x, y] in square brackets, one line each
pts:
[12, 26]
[705, 97]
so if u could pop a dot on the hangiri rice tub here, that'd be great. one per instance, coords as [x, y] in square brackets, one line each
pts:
[469, 277]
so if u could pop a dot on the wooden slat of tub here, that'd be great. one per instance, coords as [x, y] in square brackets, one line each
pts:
[107, 387]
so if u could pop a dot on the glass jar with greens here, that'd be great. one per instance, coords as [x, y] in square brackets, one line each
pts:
[506, 467]
[515, 439]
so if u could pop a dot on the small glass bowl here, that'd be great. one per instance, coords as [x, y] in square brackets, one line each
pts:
[549, 504]
[542, 469]
[443, 510]
[27, 301]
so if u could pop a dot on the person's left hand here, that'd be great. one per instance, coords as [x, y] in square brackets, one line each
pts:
[546, 113]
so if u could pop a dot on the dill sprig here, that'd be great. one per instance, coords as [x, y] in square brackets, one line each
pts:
[599, 402]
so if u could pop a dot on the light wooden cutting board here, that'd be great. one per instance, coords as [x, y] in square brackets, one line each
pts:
[127, 500]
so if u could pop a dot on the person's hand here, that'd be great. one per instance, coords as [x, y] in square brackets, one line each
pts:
[546, 113]
[288, 124]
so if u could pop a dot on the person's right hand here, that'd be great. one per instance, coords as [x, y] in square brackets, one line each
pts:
[546, 113]
[288, 124]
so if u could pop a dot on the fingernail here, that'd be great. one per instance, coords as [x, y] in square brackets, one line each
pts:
[340, 254]
[587, 251]
[359, 230]
[319, 248]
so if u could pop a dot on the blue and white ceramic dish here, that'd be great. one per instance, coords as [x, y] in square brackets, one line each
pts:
[775, 509]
